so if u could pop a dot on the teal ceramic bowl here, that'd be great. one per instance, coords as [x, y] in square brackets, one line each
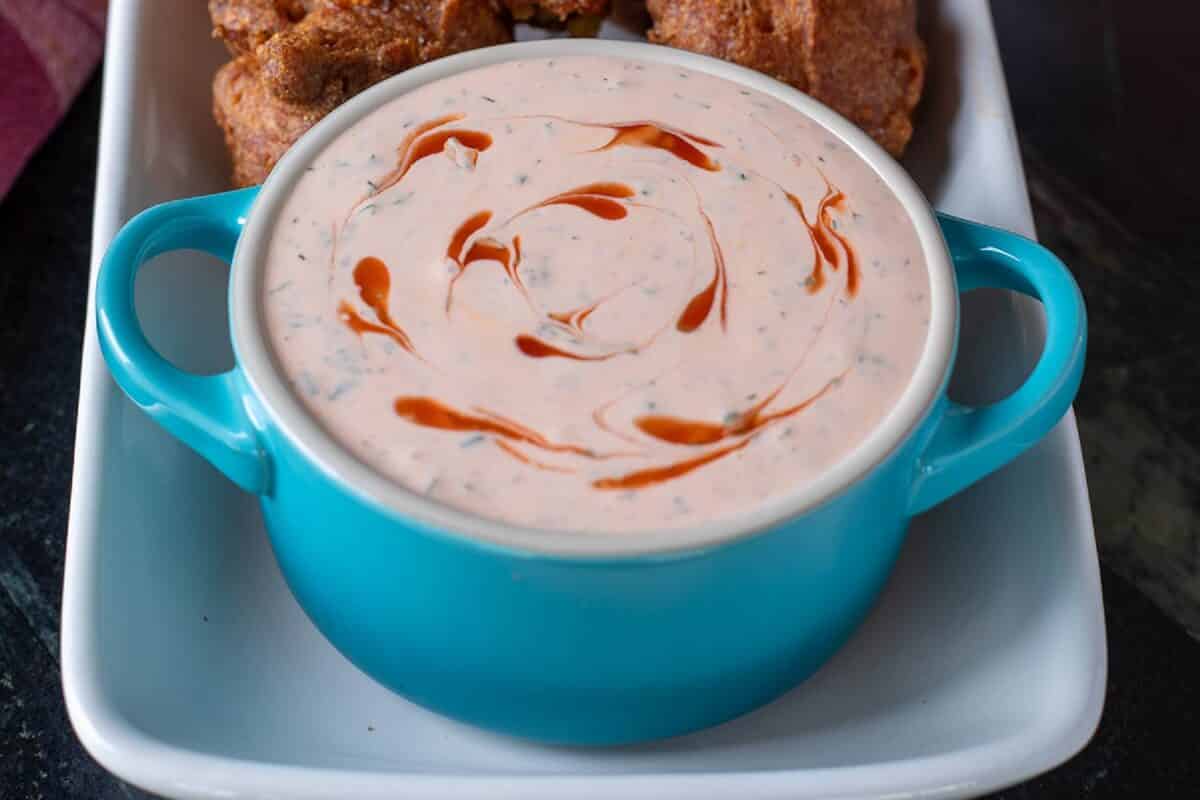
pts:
[583, 638]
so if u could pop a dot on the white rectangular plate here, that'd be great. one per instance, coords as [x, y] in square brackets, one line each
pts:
[189, 670]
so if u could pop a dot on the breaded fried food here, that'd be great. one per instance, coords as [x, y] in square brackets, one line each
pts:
[351, 44]
[579, 17]
[258, 126]
[863, 58]
[524, 10]
[245, 24]
[267, 98]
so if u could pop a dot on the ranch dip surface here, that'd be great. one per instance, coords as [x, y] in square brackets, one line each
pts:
[594, 294]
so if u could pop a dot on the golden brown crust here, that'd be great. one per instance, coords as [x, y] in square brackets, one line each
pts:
[245, 24]
[863, 58]
[265, 99]
[355, 43]
[559, 10]
[766, 35]
[258, 126]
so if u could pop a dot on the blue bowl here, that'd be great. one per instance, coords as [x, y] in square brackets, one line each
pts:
[583, 638]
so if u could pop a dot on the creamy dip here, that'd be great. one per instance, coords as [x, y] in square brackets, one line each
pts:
[594, 294]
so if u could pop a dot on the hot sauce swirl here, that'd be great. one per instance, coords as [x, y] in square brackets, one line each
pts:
[653, 134]
[374, 281]
[609, 308]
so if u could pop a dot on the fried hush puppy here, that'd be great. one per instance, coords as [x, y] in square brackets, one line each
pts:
[297, 60]
[245, 24]
[579, 17]
[863, 58]
[317, 54]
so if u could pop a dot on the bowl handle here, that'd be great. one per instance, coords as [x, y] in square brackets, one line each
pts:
[206, 412]
[971, 442]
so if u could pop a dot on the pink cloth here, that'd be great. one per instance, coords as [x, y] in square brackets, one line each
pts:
[48, 48]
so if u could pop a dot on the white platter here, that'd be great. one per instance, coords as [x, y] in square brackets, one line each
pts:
[189, 670]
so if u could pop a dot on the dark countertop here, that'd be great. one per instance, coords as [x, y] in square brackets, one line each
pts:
[1105, 95]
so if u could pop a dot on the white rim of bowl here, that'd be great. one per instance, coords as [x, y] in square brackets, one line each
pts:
[338, 464]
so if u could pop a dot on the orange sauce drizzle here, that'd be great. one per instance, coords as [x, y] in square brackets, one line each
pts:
[536, 348]
[374, 281]
[524, 459]
[660, 137]
[649, 477]
[823, 235]
[594, 198]
[430, 413]
[700, 306]
[416, 146]
[691, 432]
